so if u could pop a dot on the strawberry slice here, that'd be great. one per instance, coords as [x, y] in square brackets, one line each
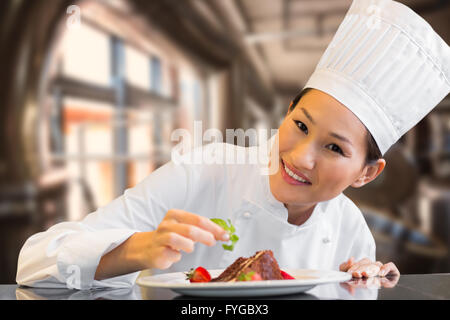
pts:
[198, 275]
[256, 277]
[249, 276]
[285, 275]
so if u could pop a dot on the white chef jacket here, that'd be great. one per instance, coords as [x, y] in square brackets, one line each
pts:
[335, 231]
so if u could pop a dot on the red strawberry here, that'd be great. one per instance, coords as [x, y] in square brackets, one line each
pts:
[256, 277]
[249, 276]
[285, 275]
[198, 275]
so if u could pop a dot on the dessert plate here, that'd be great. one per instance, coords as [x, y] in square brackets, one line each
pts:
[305, 279]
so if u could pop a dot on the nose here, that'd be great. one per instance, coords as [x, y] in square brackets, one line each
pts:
[303, 155]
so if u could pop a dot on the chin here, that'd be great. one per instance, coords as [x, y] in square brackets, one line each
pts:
[286, 197]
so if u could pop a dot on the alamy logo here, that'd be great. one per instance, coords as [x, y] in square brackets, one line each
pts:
[74, 18]
[190, 149]
[74, 279]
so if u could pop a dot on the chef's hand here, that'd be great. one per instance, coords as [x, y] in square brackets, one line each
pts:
[179, 230]
[366, 268]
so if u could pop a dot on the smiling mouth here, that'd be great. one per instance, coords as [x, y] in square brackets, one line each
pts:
[292, 177]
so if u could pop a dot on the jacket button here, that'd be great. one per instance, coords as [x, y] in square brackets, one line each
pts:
[247, 215]
[326, 240]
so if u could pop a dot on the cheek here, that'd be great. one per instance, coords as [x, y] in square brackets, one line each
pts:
[286, 137]
[335, 176]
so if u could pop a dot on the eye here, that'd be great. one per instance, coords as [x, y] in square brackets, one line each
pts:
[301, 126]
[335, 148]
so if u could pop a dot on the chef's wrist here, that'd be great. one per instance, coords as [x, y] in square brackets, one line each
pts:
[126, 258]
[135, 253]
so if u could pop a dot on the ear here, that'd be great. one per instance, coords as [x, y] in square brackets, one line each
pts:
[369, 173]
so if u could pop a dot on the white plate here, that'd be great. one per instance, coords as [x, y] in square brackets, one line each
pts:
[304, 280]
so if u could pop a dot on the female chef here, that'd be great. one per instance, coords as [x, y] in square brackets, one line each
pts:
[384, 70]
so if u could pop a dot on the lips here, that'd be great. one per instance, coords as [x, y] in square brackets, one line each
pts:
[302, 176]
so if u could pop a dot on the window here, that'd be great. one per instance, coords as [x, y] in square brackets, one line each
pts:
[86, 55]
[137, 68]
[114, 107]
[155, 75]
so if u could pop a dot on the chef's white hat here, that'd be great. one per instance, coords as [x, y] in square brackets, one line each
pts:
[387, 65]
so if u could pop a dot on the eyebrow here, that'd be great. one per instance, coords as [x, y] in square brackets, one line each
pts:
[308, 115]
[333, 134]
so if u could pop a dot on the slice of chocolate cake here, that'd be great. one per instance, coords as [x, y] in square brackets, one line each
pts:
[263, 262]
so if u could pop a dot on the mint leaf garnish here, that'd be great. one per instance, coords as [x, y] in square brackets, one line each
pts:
[221, 223]
[231, 230]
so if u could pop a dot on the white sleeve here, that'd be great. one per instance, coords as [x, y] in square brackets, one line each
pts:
[67, 254]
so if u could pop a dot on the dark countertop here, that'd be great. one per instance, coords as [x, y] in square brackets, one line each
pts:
[406, 287]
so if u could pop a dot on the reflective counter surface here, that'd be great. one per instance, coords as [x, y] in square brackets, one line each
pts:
[405, 287]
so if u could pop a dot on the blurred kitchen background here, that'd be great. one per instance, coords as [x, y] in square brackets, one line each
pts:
[91, 90]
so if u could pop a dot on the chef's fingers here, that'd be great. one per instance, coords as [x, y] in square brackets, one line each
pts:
[361, 262]
[356, 265]
[346, 265]
[351, 261]
[165, 257]
[176, 242]
[189, 231]
[364, 261]
[389, 268]
[366, 270]
[199, 221]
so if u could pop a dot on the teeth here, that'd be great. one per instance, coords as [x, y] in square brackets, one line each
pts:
[293, 175]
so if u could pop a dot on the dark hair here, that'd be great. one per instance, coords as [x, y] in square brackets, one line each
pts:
[373, 152]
